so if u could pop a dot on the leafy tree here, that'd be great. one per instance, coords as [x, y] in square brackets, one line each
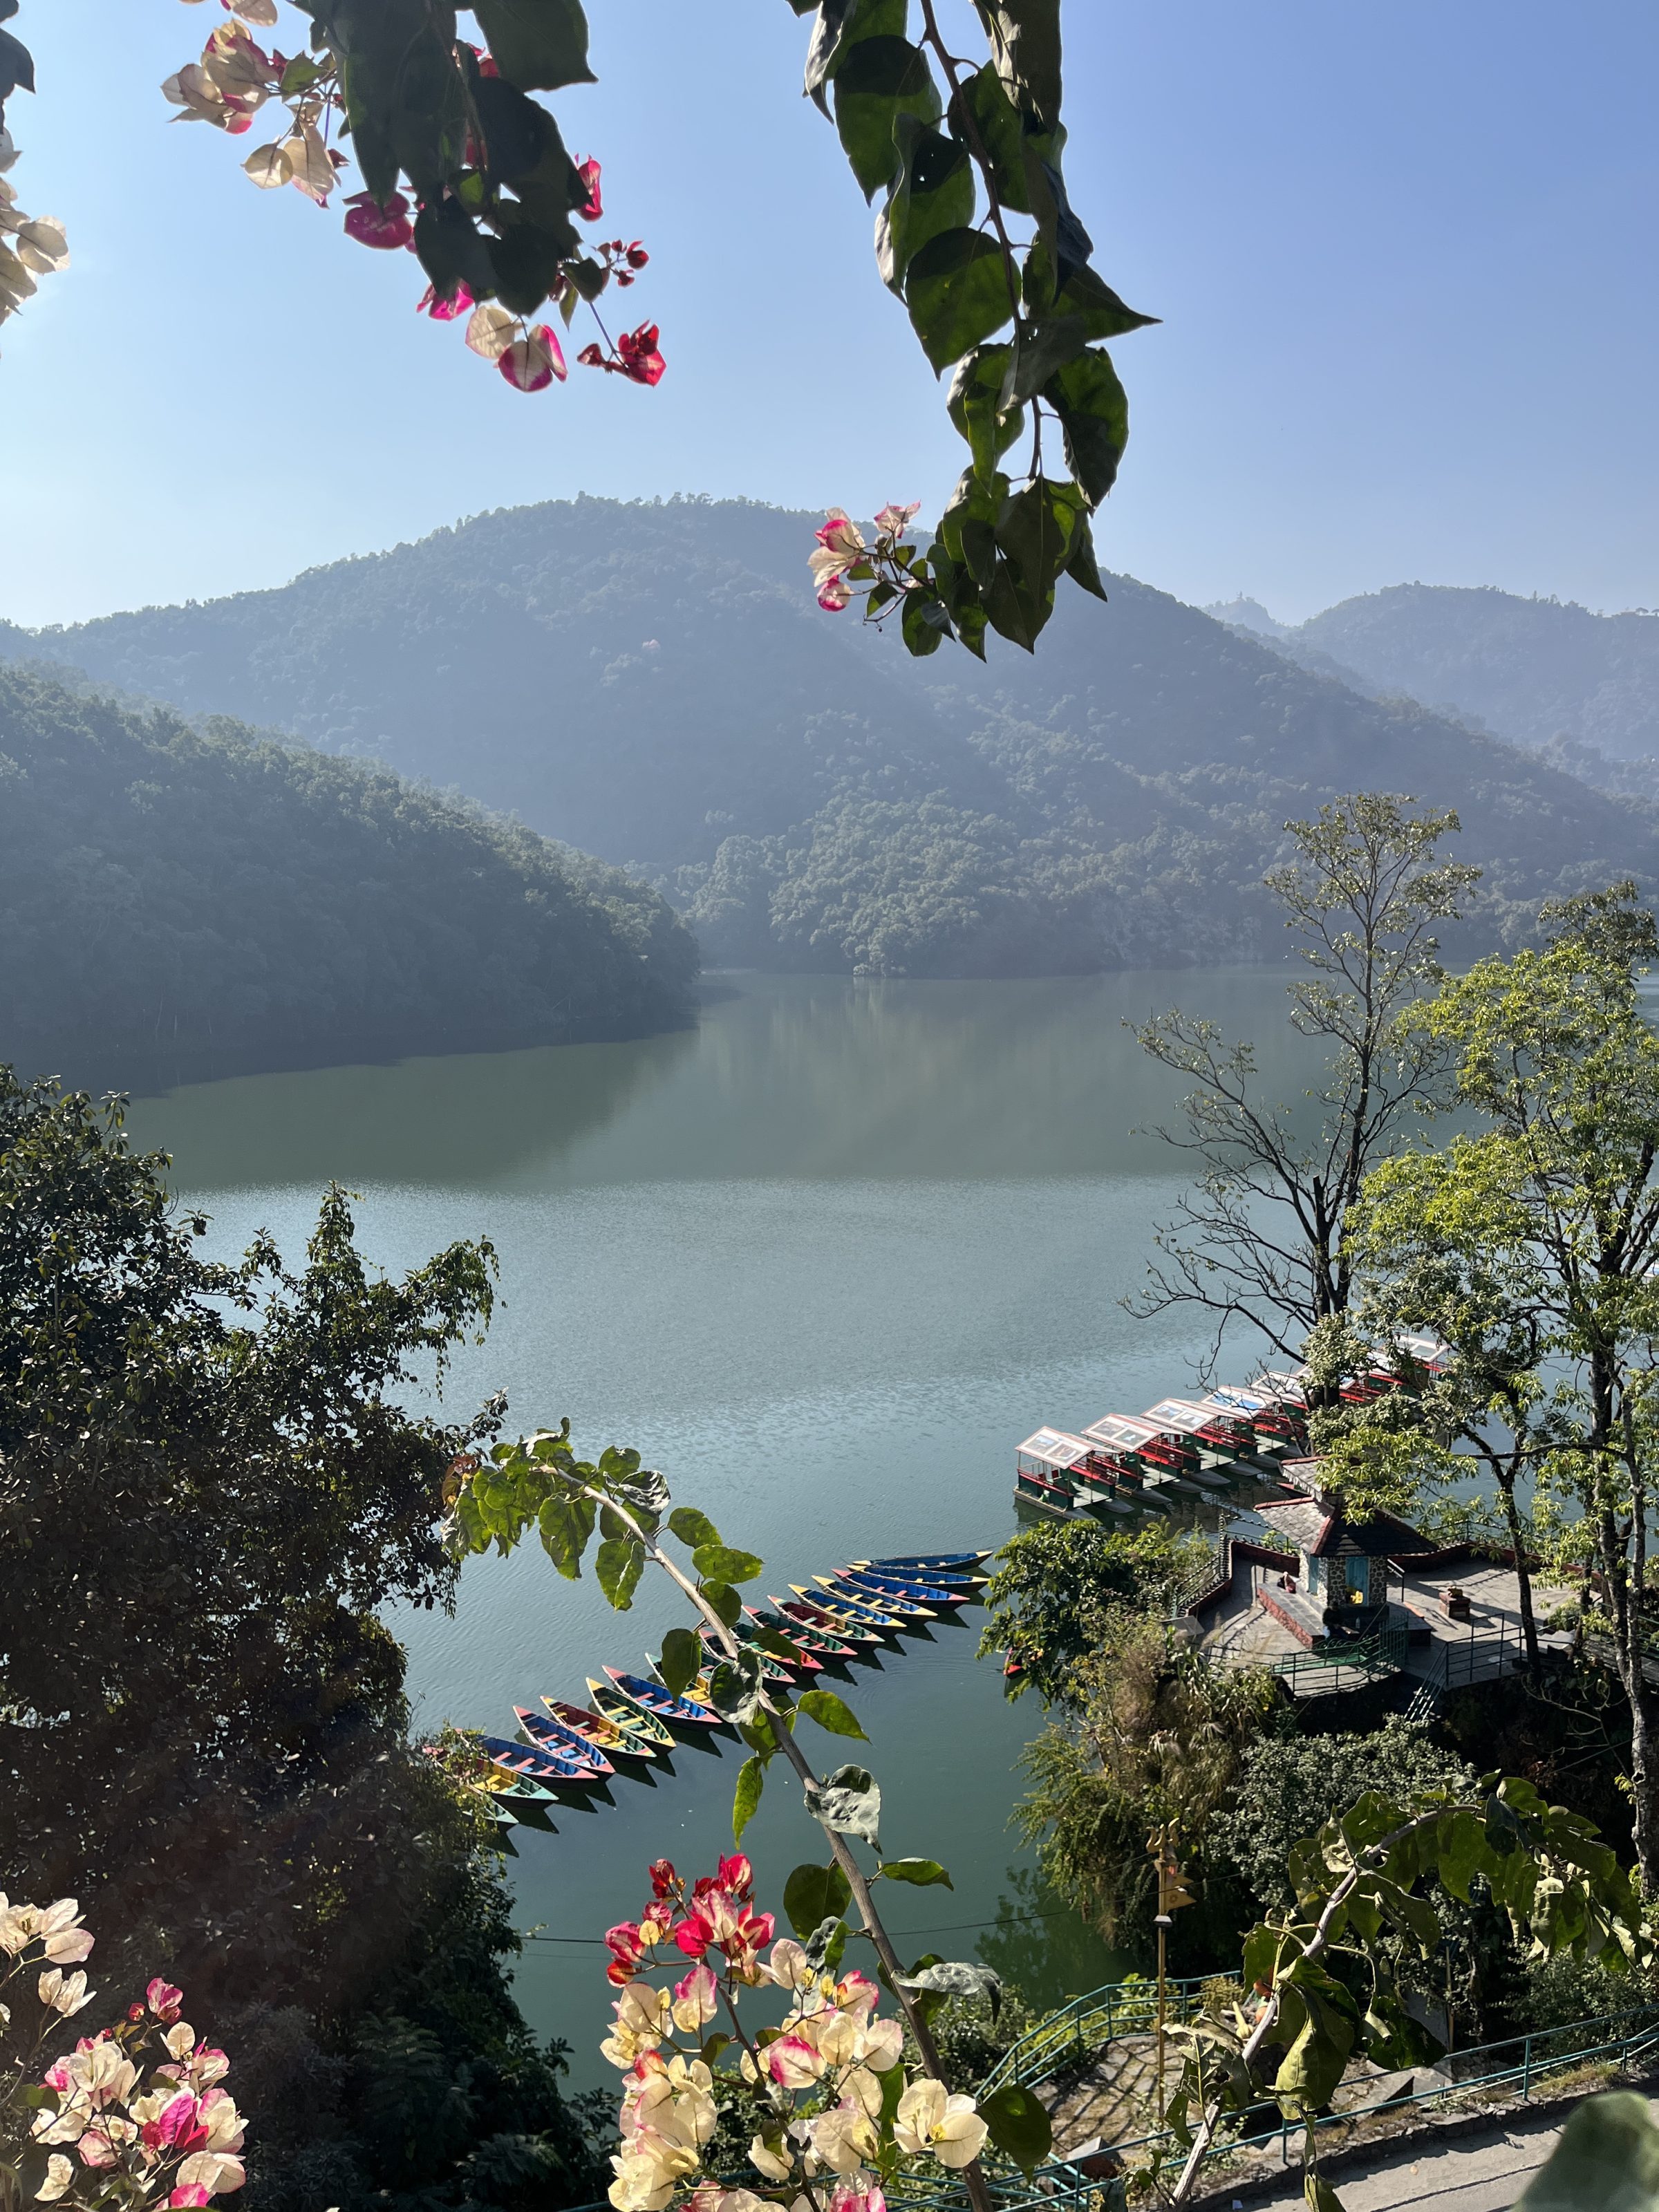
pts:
[976, 234]
[1055, 1587]
[1263, 1239]
[1532, 1238]
[209, 1486]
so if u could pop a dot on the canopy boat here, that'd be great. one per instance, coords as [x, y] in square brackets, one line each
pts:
[818, 1641]
[593, 1727]
[641, 1726]
[1047, 1468]
[556, 1739]
[883, 1587]
[663, 1704]
[811, 1614]
[908, 1562]
[554, 1768]
[843, 1604]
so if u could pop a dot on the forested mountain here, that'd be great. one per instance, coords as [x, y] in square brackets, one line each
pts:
[1532, 670]
[653, 682]
[177, 901]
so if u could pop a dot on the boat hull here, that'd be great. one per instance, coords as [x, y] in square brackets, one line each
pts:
[662, 1704]
[632, 1719]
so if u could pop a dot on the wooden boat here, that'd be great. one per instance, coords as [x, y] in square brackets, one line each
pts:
[507, 1794]
[593, 1727]
[553, 1768]
[634, 1722]
[662, 1704]
[905, 1561]
[811, 1614]
[748, 1634]
[841, 1604]
[554, 1737]
[907, 1609]
[963, 1579]
[884, 1588]
[773, 1669]
[820, 1641]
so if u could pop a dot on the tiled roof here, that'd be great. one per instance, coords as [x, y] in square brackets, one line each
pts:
[1321, 1528]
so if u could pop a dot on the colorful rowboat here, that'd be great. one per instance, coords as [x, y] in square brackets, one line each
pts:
[662, 1704]
[503, 1792]
[843, 1606]
[811, 1614]
[642, 1727]
[817, 1640]
[550, 1768]
[973, 1577]
[905, 1608]
[554, 1737]
[593, 1727]
[905, 1563]
[777, 1667]
[882, 1587]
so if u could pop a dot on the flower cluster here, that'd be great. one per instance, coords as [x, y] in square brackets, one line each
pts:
[843, 558]
[236, 77]
[134, 2112]
[30, 247]
[842, 2114]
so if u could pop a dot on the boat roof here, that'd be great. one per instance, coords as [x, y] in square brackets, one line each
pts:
[1125, 1429]
[1180, 1413]
[1056, 1447]
[1282, 1385]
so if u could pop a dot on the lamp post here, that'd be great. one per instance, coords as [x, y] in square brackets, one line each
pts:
[1172, 1895]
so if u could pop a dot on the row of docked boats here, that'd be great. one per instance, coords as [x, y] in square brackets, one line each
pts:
[1196, 1447]
[564, 1751]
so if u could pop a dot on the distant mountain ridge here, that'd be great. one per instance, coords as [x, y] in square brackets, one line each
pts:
[653, 683]
[1532, 671]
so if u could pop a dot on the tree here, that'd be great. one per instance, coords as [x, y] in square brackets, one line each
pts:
[1056, 1584]
[1262, 1240]
[209, 1486]
[1532, 1239]
[459, 163]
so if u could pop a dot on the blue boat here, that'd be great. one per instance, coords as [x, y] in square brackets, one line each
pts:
[662, 1704]
[558, 1741]
[907, 1609]
[863, 1613]
[914, 1562]
[882, 1587]
[552, 1767]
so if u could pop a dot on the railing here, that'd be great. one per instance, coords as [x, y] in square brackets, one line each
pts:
[1089, 2023]
[1372, 1657]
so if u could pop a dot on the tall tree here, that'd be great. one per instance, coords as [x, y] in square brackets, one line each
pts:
[1261, 1237]
[1534, 1238]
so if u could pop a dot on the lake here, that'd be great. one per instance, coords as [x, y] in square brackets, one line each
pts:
[824, 1260]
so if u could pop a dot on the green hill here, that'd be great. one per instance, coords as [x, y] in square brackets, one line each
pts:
[654, 682]
[176, 901]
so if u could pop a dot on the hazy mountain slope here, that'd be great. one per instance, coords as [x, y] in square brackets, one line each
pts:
[654, 682]
[174, 901]
[1532, 669]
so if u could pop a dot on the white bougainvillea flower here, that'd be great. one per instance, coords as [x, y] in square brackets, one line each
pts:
[531, 363]
[786, 1965]
[893, 520]
[642, 2015]
[216, 2171]
[270, 167]
[60, 2172]
[261, 12]
[947, 2128]
[770, 2160]
[312, 171]
[696, 1999]
[794, 2063]
[491, 330]
[843, 2139]
[63, 1993]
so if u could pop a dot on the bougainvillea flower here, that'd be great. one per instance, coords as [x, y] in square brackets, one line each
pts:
[623, 1942]
[834, 594]
[664, 1880]
[212, 2170]
[858, 2193]
[588, 171]
[736, 1875]
[191, 2193]
[163, 2000]
[491, 330]
[893, 520]
[64, 1993]
[840, 535]
[636, 255]
[769, 2161]
[793, 2062]
[696, 1999]
[384, 224]
[531, 363]
[60, 2172]
[642, 360]
[592, 357]
[842, 2138]
[641, 2015]
[947, 2127]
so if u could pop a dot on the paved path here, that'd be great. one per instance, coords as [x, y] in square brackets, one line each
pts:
[1479, 2173]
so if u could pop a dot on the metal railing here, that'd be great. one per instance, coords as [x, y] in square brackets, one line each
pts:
[1089, 2023]
[1373, 1658]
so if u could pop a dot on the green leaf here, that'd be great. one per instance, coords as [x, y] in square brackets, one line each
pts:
[723, 1600]
[1317, 2193]
[717, 1563]
[1094, 414]
[978, 410]
[751, 1780]
[824, 1707]
[923, 623]
[1314, 2064]
[681, 1660]
[1041, 349]
[826, 1944]
[1034, 532]
[450, 250]
[693, 1528]
[1025, 45]
[566, 1524]
[958, 1977]
[957, 290]
[617, 1564]
[1001, 133]
[1606, 2160]
[734, 1687]
[933, 192]
[1463, 1854]
[539, 45]
[813, 1894]
[1081, 567]
[841, 25]
[879, 80]
[848, 1803]
[922, 1872]
[1104, 315]
[968, 526]
[1019, 2124]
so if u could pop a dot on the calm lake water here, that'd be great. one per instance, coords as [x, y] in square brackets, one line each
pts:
[824, 1260]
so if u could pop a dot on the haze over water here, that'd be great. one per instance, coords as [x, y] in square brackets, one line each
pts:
[824, 1260]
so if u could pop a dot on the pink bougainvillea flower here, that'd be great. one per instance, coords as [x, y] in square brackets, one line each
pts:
[623, 1942]
[191, 2193]
[664, 1880]
[642, 360]
[858, 2193]
[696, 1999]
[893, 519]
[163, 2000]
[834, 594]
[840, 534]
[384, 224]
[178, 2125]
[636, 255]
[588, 171]
[736, 1875]
[592, 357]
[531, 363]
[444, 311]
[793, 2062]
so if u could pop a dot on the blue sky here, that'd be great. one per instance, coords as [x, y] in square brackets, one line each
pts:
[1405, 254]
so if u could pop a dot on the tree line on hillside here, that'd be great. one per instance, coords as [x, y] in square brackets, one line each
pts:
[176, 901]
